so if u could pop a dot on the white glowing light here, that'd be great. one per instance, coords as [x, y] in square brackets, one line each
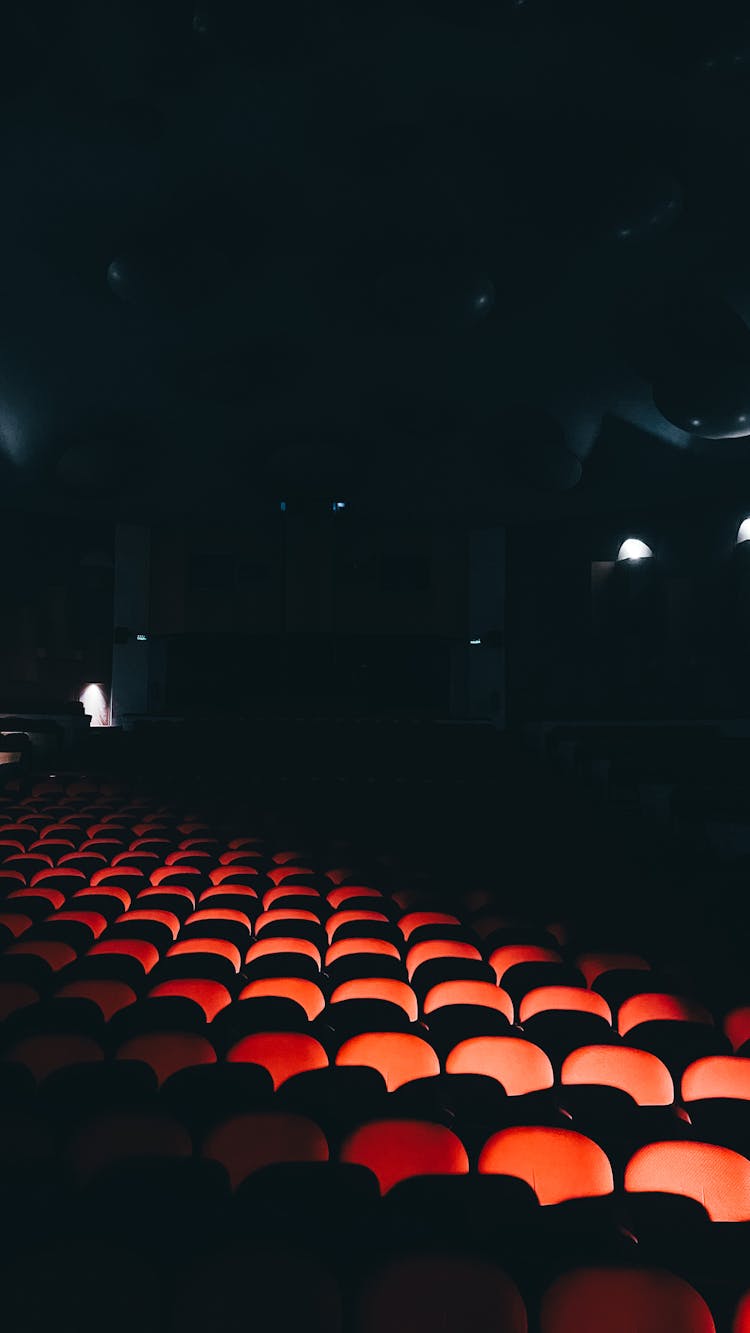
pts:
[96, 705]
[634, 549]
[743, 534]
[475, 642]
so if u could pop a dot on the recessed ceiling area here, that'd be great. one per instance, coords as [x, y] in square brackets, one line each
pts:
[484, 259]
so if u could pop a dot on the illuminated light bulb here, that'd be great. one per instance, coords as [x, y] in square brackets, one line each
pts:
[634, 549]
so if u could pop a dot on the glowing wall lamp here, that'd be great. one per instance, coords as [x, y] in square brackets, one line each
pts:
[95, 704]
[634, 549]
[743, 532]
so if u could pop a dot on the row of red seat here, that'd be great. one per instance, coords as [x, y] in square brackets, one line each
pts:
[285, 1290]
[557, 1164]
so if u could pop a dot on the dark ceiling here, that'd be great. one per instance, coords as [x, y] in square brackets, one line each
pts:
[430, 256]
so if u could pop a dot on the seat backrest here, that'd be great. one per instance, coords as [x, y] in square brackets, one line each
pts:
[44, 1053]
[303, 992]
[378, 988]
[623, 1300]
[428, 950]
[542, 999]
[396, 1150]
[246, 1143]
[639, 1073]
[423, 1293]
[656, 1006]
[398, 1056]
[483, 993]
[168, 1052]
[741, 1321]
[518, 1065]
[716, 1177]
[283, 1054]
[559, 1164]
[717, 1076]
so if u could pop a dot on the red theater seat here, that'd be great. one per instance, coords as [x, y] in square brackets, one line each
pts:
[231, 874]
[654, 1006]
[91, 920]
[289, 872]
[109, 897]
[481, 993]
[125, 875]
[421, 1294]
[510, 955]
[594, 965]
[246, 1143]
[221, 948]
[15, 995]
[45, 1053]
[238, 891]
[337, 897]
[194, 860]
[396, 1150]
[339, 873]
[717, 1076]
[622, 1300]
[154, 915]
[282, 944]
[62, 877]
[545, 998]
[716, 1177]
[278, 895]
[283, 1054]
[211, 914]
[179, 875]
[348, 917]
[11, 847]
[94, 830]
[24, 834]
[172, 897]
[416, 920]
[741, 1321]
[281, 916]
[168, 1052]
[737, 1026]
[398, 1056]
[147, 955]
[378, 988]
[9, 879]
[120, 1135]
[427, 950]
[54, 897]
[109, 996]
[14, 924]
[516, 1064]
[303, 992]
[210, 995]
[639, 1073]
[558, 1164]
[345, 948]
[55, 954]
